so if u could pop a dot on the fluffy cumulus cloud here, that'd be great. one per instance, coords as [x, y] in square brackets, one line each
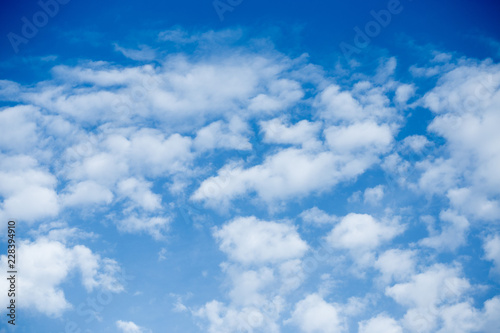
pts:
[380, 323]
[304, 133]
[395, 264]
[257, 293]
[314, 315]
[24, 180]
[228, 319]
[374, 195]
[249, 240]
[129, 327]
[492, 250]
[429, 293]
[439, 282]
[360, 234]
[317, 216]
[231, 135]
[181, 88]
[18, 127]
[49, 261]
[288, 174]
[452, 235]
[437, 300]
[321, 154]
[200, 104]
[465, 101]
[359, 137]
[298, 172]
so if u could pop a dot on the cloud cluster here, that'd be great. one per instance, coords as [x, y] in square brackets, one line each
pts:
[48, 261]
[257, 127]
[264, 267]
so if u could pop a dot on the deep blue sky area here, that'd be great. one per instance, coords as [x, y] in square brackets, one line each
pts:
[86, 29]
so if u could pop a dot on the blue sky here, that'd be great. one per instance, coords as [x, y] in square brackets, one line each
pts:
[251, 166]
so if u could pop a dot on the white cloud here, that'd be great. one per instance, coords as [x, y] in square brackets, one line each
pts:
[465, 88]
[156, 226]
[339, 104]
[60, 232]
[248, 286]
[317, 216]
[176, 35]
[397, 169]
[366, 101]
[404, 92]
[143, 53]
[257, 297]
[118, 165]
[379, 324]
[223, 319]
[426, 293]
[47, 264]
[129, 327]
[291, 274]
[362, 233]
[42, 201]
[265, 265]
[416, 142]
[491, 248]
[28, 190]
[288, 174]
[182, 90]
[152, 154]
[465, 102]
[205, 102]
[87, 193]
[460, 318]
[231, 135]
[463, 317]
[102, 168]
[18, 128]
[491, 320]
[438, 176]
[453, 232]
[145, 151]
[139, 192]
[472, 202]
[191, 91]
[441, 57]
[359, 137]
[436, 285]
[314, 315]
[386, 69]
[248, 240]
[396, 264]
[456, 317]
[374, 195]
[281, 94]
[304, 133]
